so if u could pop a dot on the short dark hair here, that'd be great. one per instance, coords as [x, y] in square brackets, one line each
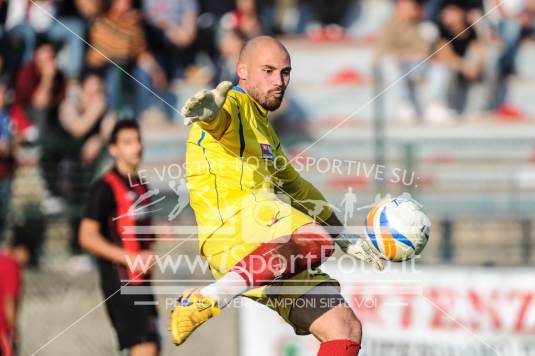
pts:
[122, 125]
[44, 40]
[90, 72]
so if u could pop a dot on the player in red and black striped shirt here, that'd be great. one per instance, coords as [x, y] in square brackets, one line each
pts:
[116, 201]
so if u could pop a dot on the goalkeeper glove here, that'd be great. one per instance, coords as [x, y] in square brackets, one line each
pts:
[355, 246]
[205, 104]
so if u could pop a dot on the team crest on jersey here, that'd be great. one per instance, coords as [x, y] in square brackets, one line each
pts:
[267, 153]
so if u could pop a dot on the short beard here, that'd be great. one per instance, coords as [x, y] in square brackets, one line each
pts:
[267, 102]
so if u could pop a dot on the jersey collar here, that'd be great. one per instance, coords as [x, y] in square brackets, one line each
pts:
[239, 89]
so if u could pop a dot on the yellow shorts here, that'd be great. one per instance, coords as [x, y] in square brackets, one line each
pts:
[244, 232]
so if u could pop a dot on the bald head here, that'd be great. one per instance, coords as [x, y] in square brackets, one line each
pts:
[264, 70]
[262, 43]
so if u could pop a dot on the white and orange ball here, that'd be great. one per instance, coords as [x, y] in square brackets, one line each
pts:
[397, 229]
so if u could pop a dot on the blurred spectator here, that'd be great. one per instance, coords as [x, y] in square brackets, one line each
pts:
[331, 17]
[12, 260]
[333, 12]
[118, 36]
[25, 19]
[89, 9]
[59, 20]
[85, 117]
[244, 19]
[39, 88]
[208, 24]
[286, 16]
[3, 15]
[230, 44]
[7, 158]
[70, 28]
[460, 62]
[216, 8]
[87, 124]
[513, 19]
[401, 47]
[434, 7]
[280, 16]
[171, 32]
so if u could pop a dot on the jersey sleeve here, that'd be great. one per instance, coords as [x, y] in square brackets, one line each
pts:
[101, 203]
[304, 195]
[221, 122]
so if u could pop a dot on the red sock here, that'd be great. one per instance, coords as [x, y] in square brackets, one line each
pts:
[266, 263]
[343, 347]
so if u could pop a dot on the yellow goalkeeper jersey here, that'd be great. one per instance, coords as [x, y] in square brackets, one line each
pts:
[236, 160]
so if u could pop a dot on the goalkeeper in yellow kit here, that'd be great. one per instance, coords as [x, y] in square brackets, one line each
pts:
[253, 211]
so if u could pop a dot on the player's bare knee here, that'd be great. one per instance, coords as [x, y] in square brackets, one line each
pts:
[350, 327]
[355, 330]
[338, 323]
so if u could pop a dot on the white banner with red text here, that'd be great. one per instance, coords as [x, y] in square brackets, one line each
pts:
[419, 311]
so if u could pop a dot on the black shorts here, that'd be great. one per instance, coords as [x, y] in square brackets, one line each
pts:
[133, 324]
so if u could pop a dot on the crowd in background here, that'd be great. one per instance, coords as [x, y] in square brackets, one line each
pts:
[459, 36]
[70, 68]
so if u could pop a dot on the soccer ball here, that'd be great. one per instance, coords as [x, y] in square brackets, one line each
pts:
[397, 228]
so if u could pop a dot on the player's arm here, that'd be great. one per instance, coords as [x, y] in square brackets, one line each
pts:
[303, 196]
[205, 109]
[99, 208]
[299, 190]
[92, 240]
